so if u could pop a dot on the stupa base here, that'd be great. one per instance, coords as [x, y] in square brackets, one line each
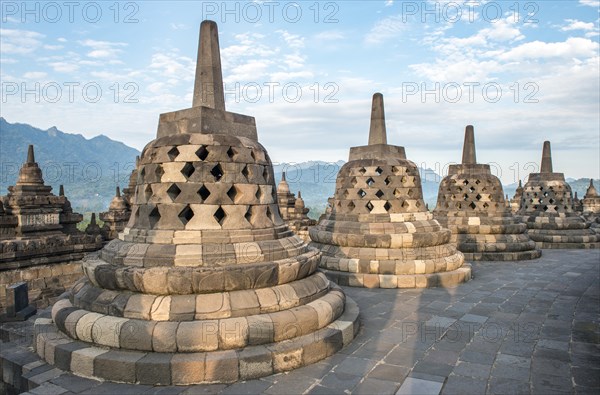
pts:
[156, 368]
[429, 280]
[503, 256]
[567, 245]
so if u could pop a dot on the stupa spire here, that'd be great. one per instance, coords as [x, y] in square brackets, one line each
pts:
[208, 86]
[30, 154]
[469, 157]
[546, 159]
[377, 132]
[118, 192]
[61, 190]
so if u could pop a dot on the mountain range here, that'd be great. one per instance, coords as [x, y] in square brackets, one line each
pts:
[90, 169]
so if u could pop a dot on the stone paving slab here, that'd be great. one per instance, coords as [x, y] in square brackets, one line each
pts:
[517, 327]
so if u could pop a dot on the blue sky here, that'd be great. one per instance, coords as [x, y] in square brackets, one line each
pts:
[520, 72]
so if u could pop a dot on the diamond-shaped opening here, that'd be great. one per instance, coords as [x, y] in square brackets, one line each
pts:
[269, 213]
[246, 172]
[458, 206]
[484, 189]
[173, 191]
[370, 182]
[361, 193]
[202, 153]
[362, 170]
[410, 192]
[405, 204]
[477, 182]
[258, 194]
[203, 192]
[379, 170]
[159, 172]
[346, 193]
[219, 215]
[351, 205]
[387, 181]
[418, 204]
[232, 193]
[545, 208]
[466, 182]
[173, 153]
[253, 155]
[217, 172]
[395, 170]
[551, 201]
[472, 205]
[266, 174]
[154, 217]
[478, 197]
[397, 193]
[248, 214]
[186, 215]
[387, 206]
[148, 192]
[354, 181]
[188, 170]
[545, 194]
[231, 152]
[472, 189]
[403, 179]
[485, 205]
[369, 207]
[379, 194]
[143, 172]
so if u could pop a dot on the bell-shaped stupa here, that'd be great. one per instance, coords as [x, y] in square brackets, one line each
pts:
[206, 283]
[117, 216]
[378, 232]
[591, 207]
[293, 211]
[472, 205]
[547, 209]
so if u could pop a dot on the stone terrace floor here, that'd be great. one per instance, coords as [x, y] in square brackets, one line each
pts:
[517, 327]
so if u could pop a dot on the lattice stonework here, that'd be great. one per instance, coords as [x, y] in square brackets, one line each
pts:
[547, 209]
[471, 204]
[377, 232]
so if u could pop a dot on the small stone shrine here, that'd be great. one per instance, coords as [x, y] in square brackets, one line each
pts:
[293, 211]
[206, 284]
[471, 204]
[515, 202]
[577, 204]
[547, 209]
[38, 227]
[116, 218]
[591, 207]
[379, 232]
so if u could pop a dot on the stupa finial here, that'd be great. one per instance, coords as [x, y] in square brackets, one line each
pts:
[30, 154]
[61, 190]
[546, 159]
[208, 86]
[283, 176]
[469, 157]
[377, 132]
[118, 192]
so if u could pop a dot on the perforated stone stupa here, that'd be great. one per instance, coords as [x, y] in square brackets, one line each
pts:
[206, 283]
[547, 209]
[293, 211]
[471, 204]
[515, 202]
[378, 232]
[38, 227]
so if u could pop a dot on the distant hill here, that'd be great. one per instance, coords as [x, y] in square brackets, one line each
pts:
[88, 168]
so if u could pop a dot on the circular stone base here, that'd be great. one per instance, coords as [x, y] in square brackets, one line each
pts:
[502, 256]
[567, 246]
[154, 368]
[441, 279]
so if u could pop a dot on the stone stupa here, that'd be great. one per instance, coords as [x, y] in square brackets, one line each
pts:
[591, 207]
[206, 283]
[515, 202]
[378, 232]
[547, 209]
[46, 226]
[116, 218]
[293, 210]
[472, 205]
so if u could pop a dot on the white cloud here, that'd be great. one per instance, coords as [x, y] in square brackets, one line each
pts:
[64, 67]
[389, 3]
[103, 49]
[53, 47]
[62, 39]
[34, 75]
[179, 26]
[292, 40]
[574, 24]
[173, 65]
[573, 47]
[385, 29]
[591, 3]
[330, 35]
[14, 41]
